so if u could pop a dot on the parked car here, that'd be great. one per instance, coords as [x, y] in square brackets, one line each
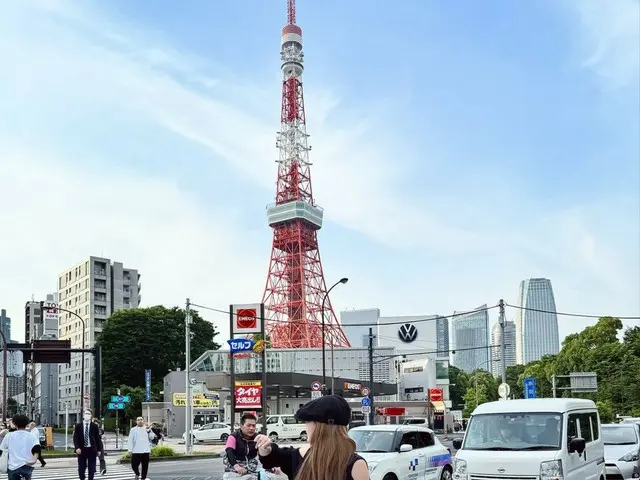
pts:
[209, 433]
[621, 450]
[402, 452]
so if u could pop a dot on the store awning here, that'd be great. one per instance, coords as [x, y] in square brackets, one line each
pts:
[438, 407]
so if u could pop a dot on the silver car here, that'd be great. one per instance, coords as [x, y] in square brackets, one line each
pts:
[621, 450]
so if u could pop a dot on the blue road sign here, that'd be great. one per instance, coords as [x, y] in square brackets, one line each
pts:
[366, 402]
[120, 398]
[116, 406]
[240, 345]
[529, 387]
[147, 385]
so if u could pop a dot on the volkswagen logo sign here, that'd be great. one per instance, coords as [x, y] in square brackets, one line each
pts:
[408, 332]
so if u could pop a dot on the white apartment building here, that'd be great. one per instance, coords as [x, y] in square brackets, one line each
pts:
[93, 289]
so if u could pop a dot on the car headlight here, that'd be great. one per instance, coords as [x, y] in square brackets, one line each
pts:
[372, 466]
[460, 469]
[630, 457]
[551, 470]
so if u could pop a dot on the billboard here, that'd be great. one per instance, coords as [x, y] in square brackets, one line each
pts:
[50, 315]
[248, 395]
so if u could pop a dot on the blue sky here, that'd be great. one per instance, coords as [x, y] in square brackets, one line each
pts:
[458, 148]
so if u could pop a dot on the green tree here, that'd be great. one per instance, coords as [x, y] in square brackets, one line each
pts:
[149, 338]
[606, 412]
[458, 385]
[542, 370]
[515, 380]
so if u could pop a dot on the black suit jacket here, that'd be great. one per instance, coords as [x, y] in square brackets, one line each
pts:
[94, 437]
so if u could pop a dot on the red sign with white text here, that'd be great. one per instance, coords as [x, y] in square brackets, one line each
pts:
[246, 318]
[248, 395]
[436, 394]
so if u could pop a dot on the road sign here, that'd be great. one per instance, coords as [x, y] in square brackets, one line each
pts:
[240, 345]
[316, 386]
[529, 387]
[116, 406]
[365, 391]
[366, 402]
[120, 398]
[315, 394]
[366, 409]
[436, 394]
[504, 390]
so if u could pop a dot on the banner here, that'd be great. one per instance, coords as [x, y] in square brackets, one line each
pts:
[202, 400]
[147, 385]
[248, 395]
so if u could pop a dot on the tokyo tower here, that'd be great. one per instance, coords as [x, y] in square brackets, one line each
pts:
[296, 288]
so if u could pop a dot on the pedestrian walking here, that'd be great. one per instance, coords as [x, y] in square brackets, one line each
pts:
[103, 463]
[33, 429]
[330, 454]
[19, 450]
[88, 445]
[140, 438]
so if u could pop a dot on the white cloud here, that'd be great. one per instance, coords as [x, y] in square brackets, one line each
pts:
[611, 40]
[74, 67]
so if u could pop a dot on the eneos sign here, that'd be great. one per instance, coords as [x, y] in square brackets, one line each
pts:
[246, 319]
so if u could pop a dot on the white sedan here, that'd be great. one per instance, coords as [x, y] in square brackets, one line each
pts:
[402, 452]
[210, 432]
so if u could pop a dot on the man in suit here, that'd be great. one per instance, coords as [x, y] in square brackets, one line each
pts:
[88, 445]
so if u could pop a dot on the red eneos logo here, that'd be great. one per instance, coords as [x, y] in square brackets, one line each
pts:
[246, 318]
[435, 394]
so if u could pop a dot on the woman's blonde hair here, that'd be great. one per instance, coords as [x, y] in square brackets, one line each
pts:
[330, 452]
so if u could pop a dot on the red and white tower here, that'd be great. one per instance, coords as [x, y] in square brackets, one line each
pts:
[296, 288]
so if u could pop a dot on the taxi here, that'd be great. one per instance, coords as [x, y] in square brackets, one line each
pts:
[402, 452]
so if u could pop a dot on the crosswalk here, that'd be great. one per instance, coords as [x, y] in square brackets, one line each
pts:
[114, 472]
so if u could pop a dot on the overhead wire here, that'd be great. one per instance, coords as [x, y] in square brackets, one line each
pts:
[432, 318]
[565, 314]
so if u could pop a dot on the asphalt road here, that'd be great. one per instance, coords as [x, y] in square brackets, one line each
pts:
[197, 469]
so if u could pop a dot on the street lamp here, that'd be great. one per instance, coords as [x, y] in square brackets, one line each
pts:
[4, 374]
[324, 359]
[84, 330]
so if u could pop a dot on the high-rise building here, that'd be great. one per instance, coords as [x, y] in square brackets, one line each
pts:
[470, 335]
[41, 379]
[536, 321]
[93, 290]
[442, 336]
[509, 347]
[5, 324]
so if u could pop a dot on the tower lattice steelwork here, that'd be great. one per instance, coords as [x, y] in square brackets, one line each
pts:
[296, 288]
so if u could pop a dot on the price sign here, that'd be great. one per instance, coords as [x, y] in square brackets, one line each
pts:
[240, 345]
[248, 395]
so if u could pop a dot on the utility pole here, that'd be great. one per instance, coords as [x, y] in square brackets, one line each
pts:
[188, 443]
[371, 337]
[502, 322]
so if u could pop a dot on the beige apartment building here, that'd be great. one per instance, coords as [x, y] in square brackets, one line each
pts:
[93, 289]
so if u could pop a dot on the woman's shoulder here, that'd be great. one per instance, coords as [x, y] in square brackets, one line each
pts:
[357, 467]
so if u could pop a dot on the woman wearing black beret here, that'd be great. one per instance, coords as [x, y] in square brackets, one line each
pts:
[330, 455]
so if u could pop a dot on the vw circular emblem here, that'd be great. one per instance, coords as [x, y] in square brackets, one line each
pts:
[408, 332]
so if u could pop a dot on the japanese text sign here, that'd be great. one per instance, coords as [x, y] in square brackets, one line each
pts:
[248, 395]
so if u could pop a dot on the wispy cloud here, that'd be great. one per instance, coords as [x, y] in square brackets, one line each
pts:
[75, 70]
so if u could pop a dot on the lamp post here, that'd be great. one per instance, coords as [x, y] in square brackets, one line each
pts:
[84, 330]
[4, 374]
[324, 345]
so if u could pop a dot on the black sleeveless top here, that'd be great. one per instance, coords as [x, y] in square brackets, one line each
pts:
[290, 460]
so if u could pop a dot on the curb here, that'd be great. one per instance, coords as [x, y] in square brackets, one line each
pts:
[178, 458]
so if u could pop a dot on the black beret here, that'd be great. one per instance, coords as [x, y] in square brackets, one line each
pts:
[329, 409]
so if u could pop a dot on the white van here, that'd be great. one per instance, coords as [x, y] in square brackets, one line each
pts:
[534, 439]
[284, 427]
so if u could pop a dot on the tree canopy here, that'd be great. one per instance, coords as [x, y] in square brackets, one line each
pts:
[595, 349]
[149, 338]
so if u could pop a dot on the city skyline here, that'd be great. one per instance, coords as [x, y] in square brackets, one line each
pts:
[507, 156]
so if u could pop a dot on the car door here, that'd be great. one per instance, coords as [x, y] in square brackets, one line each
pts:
[435, 455]
[412, 463]
[219, 429]
[204, 433]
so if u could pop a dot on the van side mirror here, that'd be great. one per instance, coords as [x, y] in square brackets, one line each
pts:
[577, 445]
[405, 447]
[457, 444]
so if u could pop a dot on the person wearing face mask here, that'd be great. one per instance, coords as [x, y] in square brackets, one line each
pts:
[88, 445]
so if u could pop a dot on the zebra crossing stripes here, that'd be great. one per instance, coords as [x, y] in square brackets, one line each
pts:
[114, 472]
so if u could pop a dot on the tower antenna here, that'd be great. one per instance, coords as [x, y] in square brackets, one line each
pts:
[291, 12]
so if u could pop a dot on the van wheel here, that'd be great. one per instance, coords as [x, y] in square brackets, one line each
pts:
[390, 476]
[447, 473]
[303, 436]
[273, 436]
[224, 437]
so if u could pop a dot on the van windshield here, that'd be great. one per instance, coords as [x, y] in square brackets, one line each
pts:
[514, 431]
